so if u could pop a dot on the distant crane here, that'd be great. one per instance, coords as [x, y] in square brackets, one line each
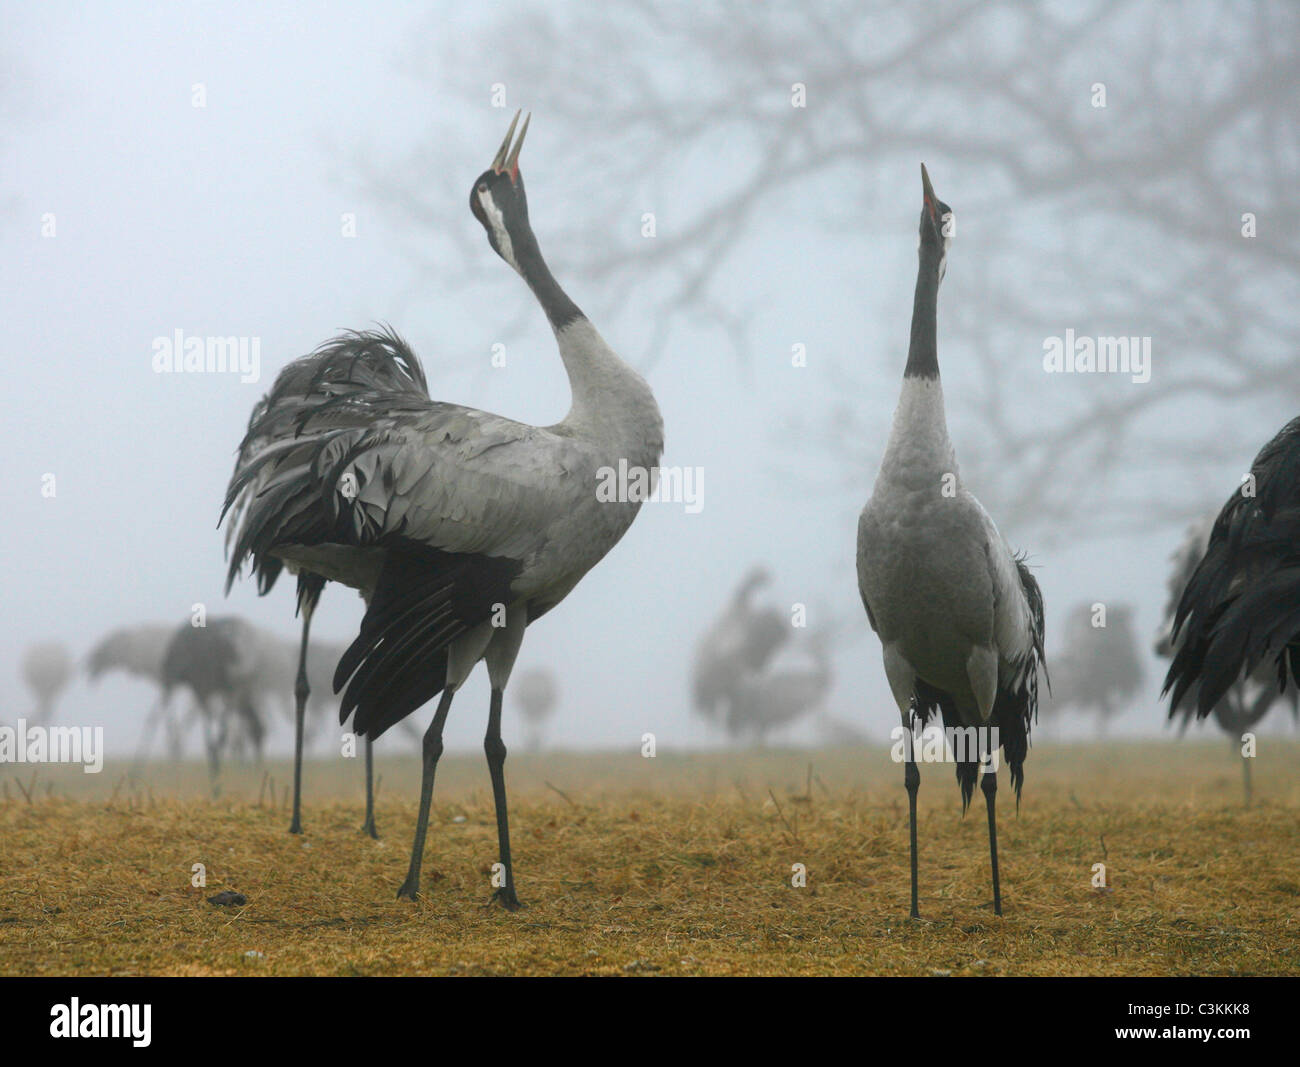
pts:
[536, 693]
[215, 662]
[1100, 669]
[138, 651]
[783, 693]
[47, 670]
[960, 618]
[1230, 574]
[739, 643]
[459, 527]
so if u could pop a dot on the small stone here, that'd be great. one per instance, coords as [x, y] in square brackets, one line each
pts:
[937, 973]
[253, 954]
[458, 818]
[228, 899]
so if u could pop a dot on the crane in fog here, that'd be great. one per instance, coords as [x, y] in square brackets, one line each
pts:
[739, 643]
[1207, 585]
[215, 663]
[536, 693]
[1100, 668]
[138, 651]
[459, 527]
[47, 670]
[781, 693]
[959, 616]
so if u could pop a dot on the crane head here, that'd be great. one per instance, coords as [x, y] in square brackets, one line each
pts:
[498, 201]
[938, 224]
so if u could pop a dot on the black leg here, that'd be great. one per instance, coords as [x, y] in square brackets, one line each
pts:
[990, 787]
[301, 690]
[432, 750]
[496, 758]
[912, 780]
[146, 735]
[368, 827]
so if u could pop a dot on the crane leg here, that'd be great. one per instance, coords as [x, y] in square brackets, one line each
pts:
[146, 735]
[368, 827]
[301, 690]
[989, 786]
[496, 759]
[432, 750]
[1245, 779]
[912, 782]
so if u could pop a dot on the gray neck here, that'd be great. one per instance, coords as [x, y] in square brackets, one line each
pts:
[612, 404]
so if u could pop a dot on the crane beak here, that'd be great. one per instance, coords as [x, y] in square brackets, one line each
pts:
[927, 190]
[507, 158]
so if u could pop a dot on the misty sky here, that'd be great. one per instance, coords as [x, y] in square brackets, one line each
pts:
[226, 220]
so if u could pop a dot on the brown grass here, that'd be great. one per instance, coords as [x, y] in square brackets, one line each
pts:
[673, 865]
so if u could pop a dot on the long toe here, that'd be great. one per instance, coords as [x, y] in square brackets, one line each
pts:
[507, 899]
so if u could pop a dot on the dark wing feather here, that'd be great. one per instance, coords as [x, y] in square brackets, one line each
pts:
[425, 599]
[1240, 606]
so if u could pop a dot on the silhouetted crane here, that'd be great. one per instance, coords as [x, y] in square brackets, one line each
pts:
[1099, 668]
[459, 527]
[782, 693]
[1250, 696]
[739, 643]
[47, 670]
[960, 618]
[216, 663]
[536, 693]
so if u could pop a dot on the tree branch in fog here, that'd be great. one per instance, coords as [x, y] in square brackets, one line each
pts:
[1122, 220]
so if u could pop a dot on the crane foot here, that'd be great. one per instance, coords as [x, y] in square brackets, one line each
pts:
[505, 896]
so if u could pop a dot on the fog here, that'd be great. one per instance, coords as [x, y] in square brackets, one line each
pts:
[201, 168]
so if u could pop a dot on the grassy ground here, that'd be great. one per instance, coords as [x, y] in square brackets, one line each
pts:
[672, 865]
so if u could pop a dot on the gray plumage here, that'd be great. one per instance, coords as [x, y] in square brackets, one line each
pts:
[739, 643]
[459, 527]
[216, 663]
[1099, 669]
[959, 617]
[536, 694]
[782, 692]
[134, 650]
[47, 670]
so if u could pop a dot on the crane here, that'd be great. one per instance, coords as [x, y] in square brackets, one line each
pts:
[739, 643]
[1231, 627]
[1241, 608]
[536, 693]
[782, 693]
[216, 662]
[47, 670]
[959, 616]
[459, 527]
[1100, 668]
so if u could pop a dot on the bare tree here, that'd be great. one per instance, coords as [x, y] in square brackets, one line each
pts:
[1115, 163]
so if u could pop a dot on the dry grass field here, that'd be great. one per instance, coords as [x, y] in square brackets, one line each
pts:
[677, 865]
